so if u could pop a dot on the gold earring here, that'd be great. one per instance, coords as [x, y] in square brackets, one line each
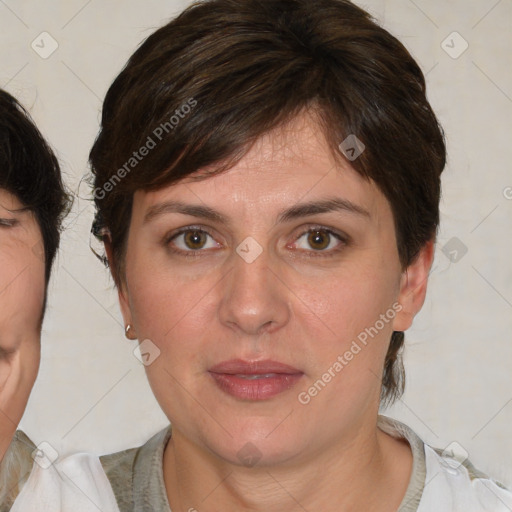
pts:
[127, 330]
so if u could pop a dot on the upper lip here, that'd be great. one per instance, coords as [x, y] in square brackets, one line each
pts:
[239, 366]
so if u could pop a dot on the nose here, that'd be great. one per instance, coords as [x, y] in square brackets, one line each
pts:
[254, 298]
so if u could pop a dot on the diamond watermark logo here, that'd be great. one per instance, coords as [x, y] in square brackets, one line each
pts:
[454, 249]
[455, 454]
[352, 148]
[147, 352]
[249, 454]
[249, 250]
[454, 45]
[44, 45]
[44, 455]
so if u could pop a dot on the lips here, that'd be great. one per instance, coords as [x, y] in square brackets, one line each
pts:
[241, 367]
[254, 380]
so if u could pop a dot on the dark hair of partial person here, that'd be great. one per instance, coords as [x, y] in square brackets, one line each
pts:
[30, 171]
[250, 66]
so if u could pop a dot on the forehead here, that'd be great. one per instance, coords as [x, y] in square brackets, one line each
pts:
[290, 164]
[8, 201]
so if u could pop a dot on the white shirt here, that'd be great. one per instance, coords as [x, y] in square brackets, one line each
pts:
[450, 487]
[76, 483]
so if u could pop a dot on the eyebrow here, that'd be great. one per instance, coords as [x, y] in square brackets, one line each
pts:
[23, 209]
[294, 212]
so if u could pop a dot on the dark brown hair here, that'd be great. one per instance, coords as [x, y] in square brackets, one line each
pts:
[30, 171]
[203, 88]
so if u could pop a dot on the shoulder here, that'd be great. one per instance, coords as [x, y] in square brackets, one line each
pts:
[37, 478]
[444, 481]
[118, 480]
[136, 474]
[457, 486]
[119, 468]
[15, 469]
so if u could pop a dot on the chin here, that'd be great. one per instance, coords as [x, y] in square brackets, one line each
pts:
[261, 445]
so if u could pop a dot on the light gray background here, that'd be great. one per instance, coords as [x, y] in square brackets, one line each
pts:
[91, 393]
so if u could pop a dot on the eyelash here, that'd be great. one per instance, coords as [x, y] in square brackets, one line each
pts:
[344, 239]
[8, 223]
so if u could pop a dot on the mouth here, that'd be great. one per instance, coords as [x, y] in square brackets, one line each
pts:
[255, 376]
[254, 380]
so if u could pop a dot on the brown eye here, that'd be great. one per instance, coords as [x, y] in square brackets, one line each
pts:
[195, 239]
[191, 241]
[319, 240]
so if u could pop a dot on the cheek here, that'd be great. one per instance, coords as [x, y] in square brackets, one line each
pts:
[176, 315]
[22, 287]
[348, 320]
[349, 301]
[169, 309]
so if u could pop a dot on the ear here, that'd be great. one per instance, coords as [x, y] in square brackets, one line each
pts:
[413, 287]
[121, 288]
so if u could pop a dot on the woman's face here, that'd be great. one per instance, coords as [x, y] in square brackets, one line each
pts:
[22, 289]
[254, 271]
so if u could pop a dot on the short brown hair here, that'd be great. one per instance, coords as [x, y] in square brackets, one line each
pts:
[244, 67]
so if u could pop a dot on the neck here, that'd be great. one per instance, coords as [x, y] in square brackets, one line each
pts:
[368, 470]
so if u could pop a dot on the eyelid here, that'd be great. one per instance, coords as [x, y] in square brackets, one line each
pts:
[319, 227]
[343, 238]
[180, 231]
[9, 223]
[186, 229]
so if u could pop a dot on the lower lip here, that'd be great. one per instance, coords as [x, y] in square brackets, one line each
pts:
[255, 389]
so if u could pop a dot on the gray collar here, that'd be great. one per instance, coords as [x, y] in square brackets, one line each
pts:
[411, 500]
[136, 474]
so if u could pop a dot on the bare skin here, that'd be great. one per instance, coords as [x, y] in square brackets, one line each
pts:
[302, 301]
[22, 286]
